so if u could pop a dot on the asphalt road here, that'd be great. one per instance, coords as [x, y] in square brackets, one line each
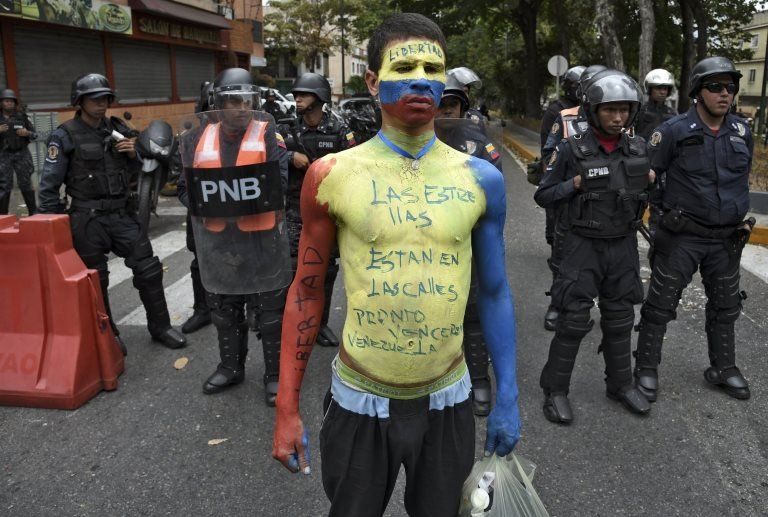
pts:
[143, 449]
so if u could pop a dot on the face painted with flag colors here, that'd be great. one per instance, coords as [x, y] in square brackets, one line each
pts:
[411, 80]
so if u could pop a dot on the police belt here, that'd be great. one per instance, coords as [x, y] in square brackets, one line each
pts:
[676, 222]
[100, 205]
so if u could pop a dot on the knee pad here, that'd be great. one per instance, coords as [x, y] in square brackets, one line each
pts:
[575, 324]
[617, 322]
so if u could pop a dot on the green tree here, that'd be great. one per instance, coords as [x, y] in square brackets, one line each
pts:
[306, 27]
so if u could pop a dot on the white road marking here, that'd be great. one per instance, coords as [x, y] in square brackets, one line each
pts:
[179, 298]
[755, 260]
[172, 210]
[164, 246]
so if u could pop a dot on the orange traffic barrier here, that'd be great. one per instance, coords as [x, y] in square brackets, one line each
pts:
[57, 349]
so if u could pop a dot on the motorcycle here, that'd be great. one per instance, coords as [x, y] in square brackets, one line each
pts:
[157, 146]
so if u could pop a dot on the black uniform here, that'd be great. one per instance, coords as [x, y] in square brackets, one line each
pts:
[651, 116]
[97, 178]
[551, 114]
[330, 136]
[599, 239]
[704, 201]
[16, 158]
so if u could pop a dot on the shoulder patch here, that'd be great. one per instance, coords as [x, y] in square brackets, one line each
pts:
[53, 152]
[555, 128]
[741, 128]
[280, 140]
[655, 138]
[552, 158]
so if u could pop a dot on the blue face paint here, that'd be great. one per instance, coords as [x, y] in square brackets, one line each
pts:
[392, 91]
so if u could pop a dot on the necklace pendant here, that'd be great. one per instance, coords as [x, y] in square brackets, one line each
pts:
[415, 165]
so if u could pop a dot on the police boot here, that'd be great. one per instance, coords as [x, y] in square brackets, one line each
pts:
[631, 397]
[648, 357]
[30, 201]
[723, 372]
[201, 316]
[326, 337]
[550, 318]
[5, 203]
[557, 409]
[148, 279]
[232, 352]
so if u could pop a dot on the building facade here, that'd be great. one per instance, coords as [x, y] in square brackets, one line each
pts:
[748, 100]
[155, 53]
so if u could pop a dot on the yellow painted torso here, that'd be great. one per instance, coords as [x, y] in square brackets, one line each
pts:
[404, 237]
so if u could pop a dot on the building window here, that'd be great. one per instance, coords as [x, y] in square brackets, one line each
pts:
[49, 60]
[257, 32]
[752, 74]
[142, 71]
[193, 66]
[755, 40]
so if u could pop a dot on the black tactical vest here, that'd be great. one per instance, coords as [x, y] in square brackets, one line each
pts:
[96, 169]
[10, 140]
[613, 187]
[316, 144]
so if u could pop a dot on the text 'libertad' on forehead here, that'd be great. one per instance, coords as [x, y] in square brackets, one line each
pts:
[426, 48]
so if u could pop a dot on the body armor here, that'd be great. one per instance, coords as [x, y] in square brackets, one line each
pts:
[613, 187]
[97, 170]
[10, 140]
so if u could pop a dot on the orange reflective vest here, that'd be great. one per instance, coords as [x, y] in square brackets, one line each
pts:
[569, 116]
[252, 150]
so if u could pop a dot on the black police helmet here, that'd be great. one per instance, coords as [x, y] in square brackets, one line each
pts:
[92, 85]
[234, 82]
[313, 83]
[571, 82]
[612, 86]
[711, 66]
[8, 94]
[586, 75]
[454, 88]
[203, 103]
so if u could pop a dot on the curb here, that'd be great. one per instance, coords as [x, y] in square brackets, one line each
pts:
[759, 233]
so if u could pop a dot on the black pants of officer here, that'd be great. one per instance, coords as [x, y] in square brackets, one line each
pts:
[475, 350]
[294, 232]
[200, 303]
[19, 163]
[228, 316]
[676, 258]
[604, 268]
[96, 233]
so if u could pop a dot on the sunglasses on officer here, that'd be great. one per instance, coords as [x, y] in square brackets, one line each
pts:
[717, 87]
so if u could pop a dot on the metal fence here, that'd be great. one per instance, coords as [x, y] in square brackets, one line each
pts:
[45, 122]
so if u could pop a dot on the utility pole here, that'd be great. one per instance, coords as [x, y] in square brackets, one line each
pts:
[761, 119]
[343, 78]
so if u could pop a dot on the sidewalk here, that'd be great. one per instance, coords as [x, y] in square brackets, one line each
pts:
[525, 143]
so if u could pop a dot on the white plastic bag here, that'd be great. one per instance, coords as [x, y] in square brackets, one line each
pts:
[501, 487]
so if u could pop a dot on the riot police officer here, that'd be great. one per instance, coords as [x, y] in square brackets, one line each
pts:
[92, 155]
[201, 313]
[705, 155]
[313, 135]
[468, 79]
[569, 99]
[241, 257]
[466, 135]
[272, 107]
[16, 131]
[597, 182]
[569, 121]
[659, 85]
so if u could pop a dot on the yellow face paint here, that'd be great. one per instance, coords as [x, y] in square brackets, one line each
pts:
[413, 59]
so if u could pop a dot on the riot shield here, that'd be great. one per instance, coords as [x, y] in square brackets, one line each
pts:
[470, 137]
[236, 201]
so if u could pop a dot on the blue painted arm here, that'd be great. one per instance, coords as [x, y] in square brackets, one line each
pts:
[497, 312]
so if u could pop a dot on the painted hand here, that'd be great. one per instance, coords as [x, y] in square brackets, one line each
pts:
[290, 445]
[503, 429]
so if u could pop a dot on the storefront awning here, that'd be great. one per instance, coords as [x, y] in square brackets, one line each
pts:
[181, 12]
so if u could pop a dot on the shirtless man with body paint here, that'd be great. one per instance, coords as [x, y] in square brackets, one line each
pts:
[400, 390]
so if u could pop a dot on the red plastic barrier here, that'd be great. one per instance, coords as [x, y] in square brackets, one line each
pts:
[57, 349]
